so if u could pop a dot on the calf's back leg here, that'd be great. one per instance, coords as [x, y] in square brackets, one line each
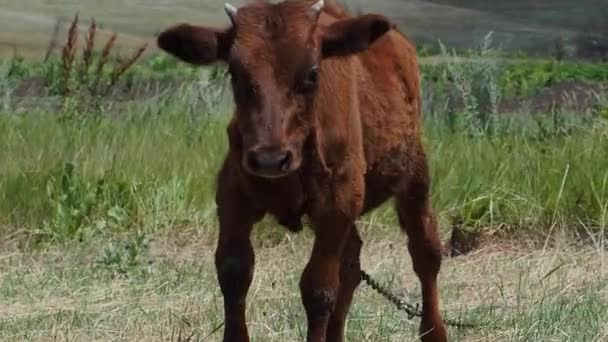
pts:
[417, 220]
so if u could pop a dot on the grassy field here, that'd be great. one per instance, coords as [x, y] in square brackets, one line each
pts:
[108, 226]
[158, 291]
[62, 179]
[27, 25]
[557, 13]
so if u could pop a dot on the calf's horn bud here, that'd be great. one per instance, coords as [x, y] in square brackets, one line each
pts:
[231, 11]
[318, 6]
[315, 10]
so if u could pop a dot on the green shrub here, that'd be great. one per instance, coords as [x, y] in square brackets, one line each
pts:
[125, 258]
[525, 78]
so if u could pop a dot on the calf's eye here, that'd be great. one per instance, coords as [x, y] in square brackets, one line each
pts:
[313, 75]
[310, 80]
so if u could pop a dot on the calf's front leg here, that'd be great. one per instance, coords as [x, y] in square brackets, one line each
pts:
[234, 260]
[320, 280]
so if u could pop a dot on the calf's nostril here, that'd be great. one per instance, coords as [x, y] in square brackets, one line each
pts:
[286, 161]
[253, 161]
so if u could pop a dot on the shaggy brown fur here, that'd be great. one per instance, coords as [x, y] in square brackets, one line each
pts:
[327, 124]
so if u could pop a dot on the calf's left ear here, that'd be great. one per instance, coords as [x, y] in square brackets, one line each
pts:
[350, 36]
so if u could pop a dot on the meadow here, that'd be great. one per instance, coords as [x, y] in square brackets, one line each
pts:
[107, 217]
[26, 25]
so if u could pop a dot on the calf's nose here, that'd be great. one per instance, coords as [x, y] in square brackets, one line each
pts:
[269, 161]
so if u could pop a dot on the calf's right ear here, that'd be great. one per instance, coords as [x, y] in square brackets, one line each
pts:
[195, 44]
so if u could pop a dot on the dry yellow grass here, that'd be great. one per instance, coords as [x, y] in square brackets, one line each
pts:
[527, 293]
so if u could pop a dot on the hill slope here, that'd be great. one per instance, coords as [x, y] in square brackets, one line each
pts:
[27, 24]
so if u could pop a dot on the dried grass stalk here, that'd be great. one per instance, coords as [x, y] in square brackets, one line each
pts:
[120, 68]
[103, 60]
[87, 53]
[54, 37]
[69, 52]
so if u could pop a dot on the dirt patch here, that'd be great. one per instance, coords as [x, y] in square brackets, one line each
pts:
[31, 87]
[572, 96]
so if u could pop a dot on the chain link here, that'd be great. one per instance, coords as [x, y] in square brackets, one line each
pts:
[411, 310]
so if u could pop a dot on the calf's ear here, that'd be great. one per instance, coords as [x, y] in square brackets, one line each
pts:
[350, 36]
[195, 44]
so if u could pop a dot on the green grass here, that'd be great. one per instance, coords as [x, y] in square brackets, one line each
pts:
[155, 167]
[151, 68]
[527, 77]
[133, 165]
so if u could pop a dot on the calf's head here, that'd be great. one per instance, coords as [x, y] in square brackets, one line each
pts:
[274, 54]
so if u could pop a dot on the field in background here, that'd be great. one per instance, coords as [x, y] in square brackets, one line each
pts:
[557, 13]
[107, 218]
[28, 25]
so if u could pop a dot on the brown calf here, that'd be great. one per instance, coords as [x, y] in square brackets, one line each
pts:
[327, 124]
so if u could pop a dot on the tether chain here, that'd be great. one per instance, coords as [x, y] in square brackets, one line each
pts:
[411, 310]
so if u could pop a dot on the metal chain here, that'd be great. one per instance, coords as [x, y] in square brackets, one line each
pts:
[411, 310]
